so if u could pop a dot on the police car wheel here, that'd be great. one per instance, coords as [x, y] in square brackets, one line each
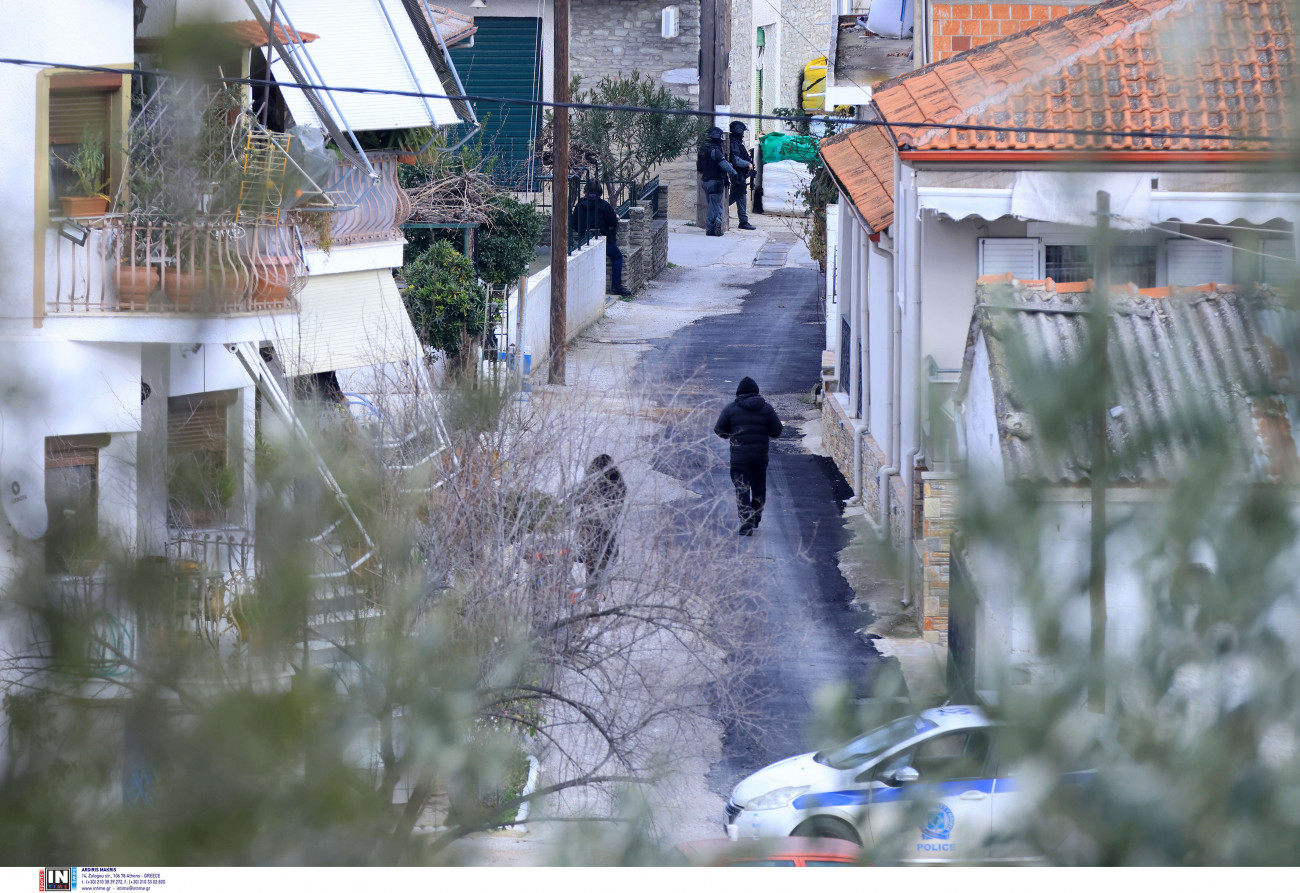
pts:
[825, 826]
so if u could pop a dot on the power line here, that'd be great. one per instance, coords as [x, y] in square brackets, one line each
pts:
[696, 113]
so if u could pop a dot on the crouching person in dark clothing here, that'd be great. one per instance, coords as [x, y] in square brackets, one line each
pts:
[596, 216]
[599, 500]
[748, 423]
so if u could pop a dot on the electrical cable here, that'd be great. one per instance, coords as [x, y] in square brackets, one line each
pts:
[697, 113]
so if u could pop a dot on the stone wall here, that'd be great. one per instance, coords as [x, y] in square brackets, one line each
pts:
[933, 493]
[937, 517]
[610, 38]
[644, 243]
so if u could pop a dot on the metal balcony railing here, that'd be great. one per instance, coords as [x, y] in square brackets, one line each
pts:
[211, 266]
[369, 210]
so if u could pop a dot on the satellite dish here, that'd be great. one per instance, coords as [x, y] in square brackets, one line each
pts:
[23, 496]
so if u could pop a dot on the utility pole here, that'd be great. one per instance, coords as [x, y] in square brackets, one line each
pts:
[715, 80]
[560, 197]
[1098, 328]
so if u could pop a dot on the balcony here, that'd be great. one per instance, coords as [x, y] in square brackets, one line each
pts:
[369, 211]
[211, 267]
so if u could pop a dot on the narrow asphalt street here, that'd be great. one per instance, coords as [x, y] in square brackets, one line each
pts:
[646, 383]
[802, 636]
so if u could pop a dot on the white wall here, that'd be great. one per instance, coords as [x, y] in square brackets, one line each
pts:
[585, 301]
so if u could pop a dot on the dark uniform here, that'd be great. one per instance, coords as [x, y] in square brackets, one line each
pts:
[595, 215]
[715, 171]
[743, 161]
[748, 423]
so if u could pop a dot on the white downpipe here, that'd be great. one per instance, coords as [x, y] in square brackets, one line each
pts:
[909, 469]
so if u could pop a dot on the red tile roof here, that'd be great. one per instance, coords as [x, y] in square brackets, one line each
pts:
[453, 27]
[862, 160]
[249, 33]
[1201, 66]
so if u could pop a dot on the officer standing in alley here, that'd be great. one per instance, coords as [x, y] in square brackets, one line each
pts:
[743, 161]
[715, 173]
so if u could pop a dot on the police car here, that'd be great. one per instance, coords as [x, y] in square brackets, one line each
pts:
[923, 788]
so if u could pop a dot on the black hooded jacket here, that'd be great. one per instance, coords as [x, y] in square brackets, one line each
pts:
[748, 422]
[594, 214]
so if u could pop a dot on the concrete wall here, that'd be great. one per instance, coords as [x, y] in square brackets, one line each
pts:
[585, 301]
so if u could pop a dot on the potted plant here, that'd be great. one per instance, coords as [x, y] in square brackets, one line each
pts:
[85, 554]
[87, 163]
[199, 489]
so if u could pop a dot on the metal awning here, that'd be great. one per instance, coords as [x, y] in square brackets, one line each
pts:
[959, 203]
[347, 321]
[364, 43]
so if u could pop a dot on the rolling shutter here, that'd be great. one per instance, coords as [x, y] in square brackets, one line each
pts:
[505, 61]
[1022, 258]
[198, 423]
[1193, 262]
[1277, 266]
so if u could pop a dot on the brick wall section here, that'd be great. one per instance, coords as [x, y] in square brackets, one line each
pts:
[963, 26]
[938, 515]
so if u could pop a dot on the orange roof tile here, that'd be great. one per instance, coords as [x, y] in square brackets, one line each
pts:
[1202, 66]
[453, 27]
[862, 160]
[249, 33]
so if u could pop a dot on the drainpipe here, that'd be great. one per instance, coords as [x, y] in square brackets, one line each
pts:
[895, 431]
[909, 469]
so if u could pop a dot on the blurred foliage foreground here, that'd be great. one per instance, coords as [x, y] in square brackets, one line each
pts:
[371, 716]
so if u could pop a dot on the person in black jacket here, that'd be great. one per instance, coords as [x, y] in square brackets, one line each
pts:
[595, 215]
[743, 161]
[748, 422]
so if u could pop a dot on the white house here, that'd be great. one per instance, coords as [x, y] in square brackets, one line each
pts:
[1198, 401]
[926, 207]
[136, 342]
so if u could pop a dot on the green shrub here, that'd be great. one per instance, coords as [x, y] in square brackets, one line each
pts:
[446, 301]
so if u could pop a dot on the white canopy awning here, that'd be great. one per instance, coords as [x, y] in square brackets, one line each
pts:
[346, 321]
[364, 43]
[1186, 207]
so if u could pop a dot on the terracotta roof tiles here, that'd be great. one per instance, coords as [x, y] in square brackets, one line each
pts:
[862, 160]
[1145, 65]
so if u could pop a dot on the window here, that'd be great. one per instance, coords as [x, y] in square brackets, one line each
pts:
[1022, 258]
[80, 108]
[200, 479]
[1128, 263]
[72, 542]
[959, 755]
[1197, 262]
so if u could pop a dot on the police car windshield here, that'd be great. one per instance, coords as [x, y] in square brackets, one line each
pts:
[861, 749]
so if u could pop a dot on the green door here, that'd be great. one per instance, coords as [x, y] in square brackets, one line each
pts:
[505, 61]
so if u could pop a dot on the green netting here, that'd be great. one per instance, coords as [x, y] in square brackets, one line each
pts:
[787, 147]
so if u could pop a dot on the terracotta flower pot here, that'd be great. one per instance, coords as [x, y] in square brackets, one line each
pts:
[83, 205]
[181, 287]
[272, 281]
[134, 285]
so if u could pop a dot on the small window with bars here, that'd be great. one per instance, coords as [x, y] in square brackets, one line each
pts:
[1128, 263]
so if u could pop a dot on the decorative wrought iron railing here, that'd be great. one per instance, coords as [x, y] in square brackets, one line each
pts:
[368, 210]
[210, 266]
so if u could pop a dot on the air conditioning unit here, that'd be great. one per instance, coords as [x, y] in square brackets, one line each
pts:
[669, 22]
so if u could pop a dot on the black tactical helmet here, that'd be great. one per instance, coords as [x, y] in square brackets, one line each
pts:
[715, 133]
[738, 127]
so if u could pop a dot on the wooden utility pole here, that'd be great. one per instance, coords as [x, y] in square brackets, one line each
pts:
[560, 198]
[1099, 328]
[715, 79]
